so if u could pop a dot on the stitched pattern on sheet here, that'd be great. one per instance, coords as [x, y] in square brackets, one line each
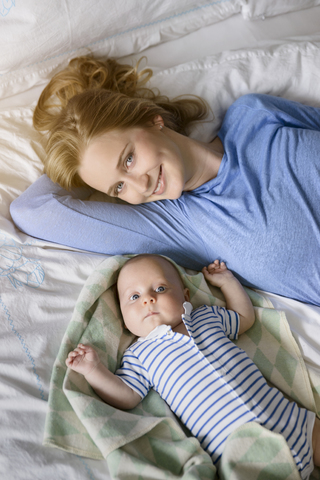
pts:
[18, 269]
[5, 6]
[87, 468]
[24, 346]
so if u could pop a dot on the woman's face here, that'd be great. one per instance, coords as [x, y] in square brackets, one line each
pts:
[137, 165]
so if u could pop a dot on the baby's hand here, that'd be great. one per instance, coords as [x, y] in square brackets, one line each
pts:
[83, 359]
[217, 273]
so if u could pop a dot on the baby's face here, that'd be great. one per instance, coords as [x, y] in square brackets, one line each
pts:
[151, 294]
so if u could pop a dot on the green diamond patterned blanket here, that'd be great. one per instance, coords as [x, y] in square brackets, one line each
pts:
[149, 442]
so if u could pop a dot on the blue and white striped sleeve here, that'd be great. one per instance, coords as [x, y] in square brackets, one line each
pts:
[134, 374]
[230, 322]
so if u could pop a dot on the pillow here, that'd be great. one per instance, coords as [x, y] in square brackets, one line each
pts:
[259, 9]
[34, 31]
[288, 70]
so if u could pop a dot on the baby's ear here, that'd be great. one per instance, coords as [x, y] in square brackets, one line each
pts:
[186, 294]
[125, 327]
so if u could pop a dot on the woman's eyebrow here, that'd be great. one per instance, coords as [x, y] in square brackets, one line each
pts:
[119, 162]
[121, 157]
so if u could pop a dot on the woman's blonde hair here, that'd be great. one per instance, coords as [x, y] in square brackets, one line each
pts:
[91, 97]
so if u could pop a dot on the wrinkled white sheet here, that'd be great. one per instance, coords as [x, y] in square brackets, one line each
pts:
[33, 32]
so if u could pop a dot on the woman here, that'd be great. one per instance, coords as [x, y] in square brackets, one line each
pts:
[250, 197]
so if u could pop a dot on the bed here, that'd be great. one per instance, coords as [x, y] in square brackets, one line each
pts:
[218, 50]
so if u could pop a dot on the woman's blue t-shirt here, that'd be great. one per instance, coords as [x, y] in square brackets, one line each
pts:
[260, 214]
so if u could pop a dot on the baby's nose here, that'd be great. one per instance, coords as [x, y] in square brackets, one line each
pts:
[149, 299]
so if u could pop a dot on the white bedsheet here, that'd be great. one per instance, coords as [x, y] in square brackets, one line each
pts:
[40, 282]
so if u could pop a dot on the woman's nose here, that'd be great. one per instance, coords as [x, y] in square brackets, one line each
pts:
[140, 183]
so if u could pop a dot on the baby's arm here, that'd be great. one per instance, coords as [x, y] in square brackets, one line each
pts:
[235, 296]
[85, 360]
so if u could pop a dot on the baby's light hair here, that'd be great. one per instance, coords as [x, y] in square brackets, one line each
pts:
[156, 257]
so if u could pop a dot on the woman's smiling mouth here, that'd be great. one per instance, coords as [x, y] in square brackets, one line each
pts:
[160, 185]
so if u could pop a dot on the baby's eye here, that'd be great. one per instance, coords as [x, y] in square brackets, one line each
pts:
[129, 160]
[160, 289]
[118, 188]
[135, 296]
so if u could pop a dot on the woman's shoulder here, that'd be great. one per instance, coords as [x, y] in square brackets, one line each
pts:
[266, 102]
[243, 112]
[254, 100]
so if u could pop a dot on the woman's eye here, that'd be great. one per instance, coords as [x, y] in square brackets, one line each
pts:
[160, 289]
[135, 296]
[129, 160]
[119, 187]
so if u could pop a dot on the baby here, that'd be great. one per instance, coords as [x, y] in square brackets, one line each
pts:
[188, 358]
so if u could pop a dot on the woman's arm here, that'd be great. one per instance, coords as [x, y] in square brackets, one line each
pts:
[47, 211]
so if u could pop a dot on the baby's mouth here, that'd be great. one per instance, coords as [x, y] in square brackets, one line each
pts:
[149, 314]
[160, 185]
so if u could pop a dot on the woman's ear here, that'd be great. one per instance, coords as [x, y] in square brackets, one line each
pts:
[158, 121]
[186, 294]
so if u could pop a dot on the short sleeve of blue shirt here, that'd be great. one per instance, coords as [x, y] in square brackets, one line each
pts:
[134, 374]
